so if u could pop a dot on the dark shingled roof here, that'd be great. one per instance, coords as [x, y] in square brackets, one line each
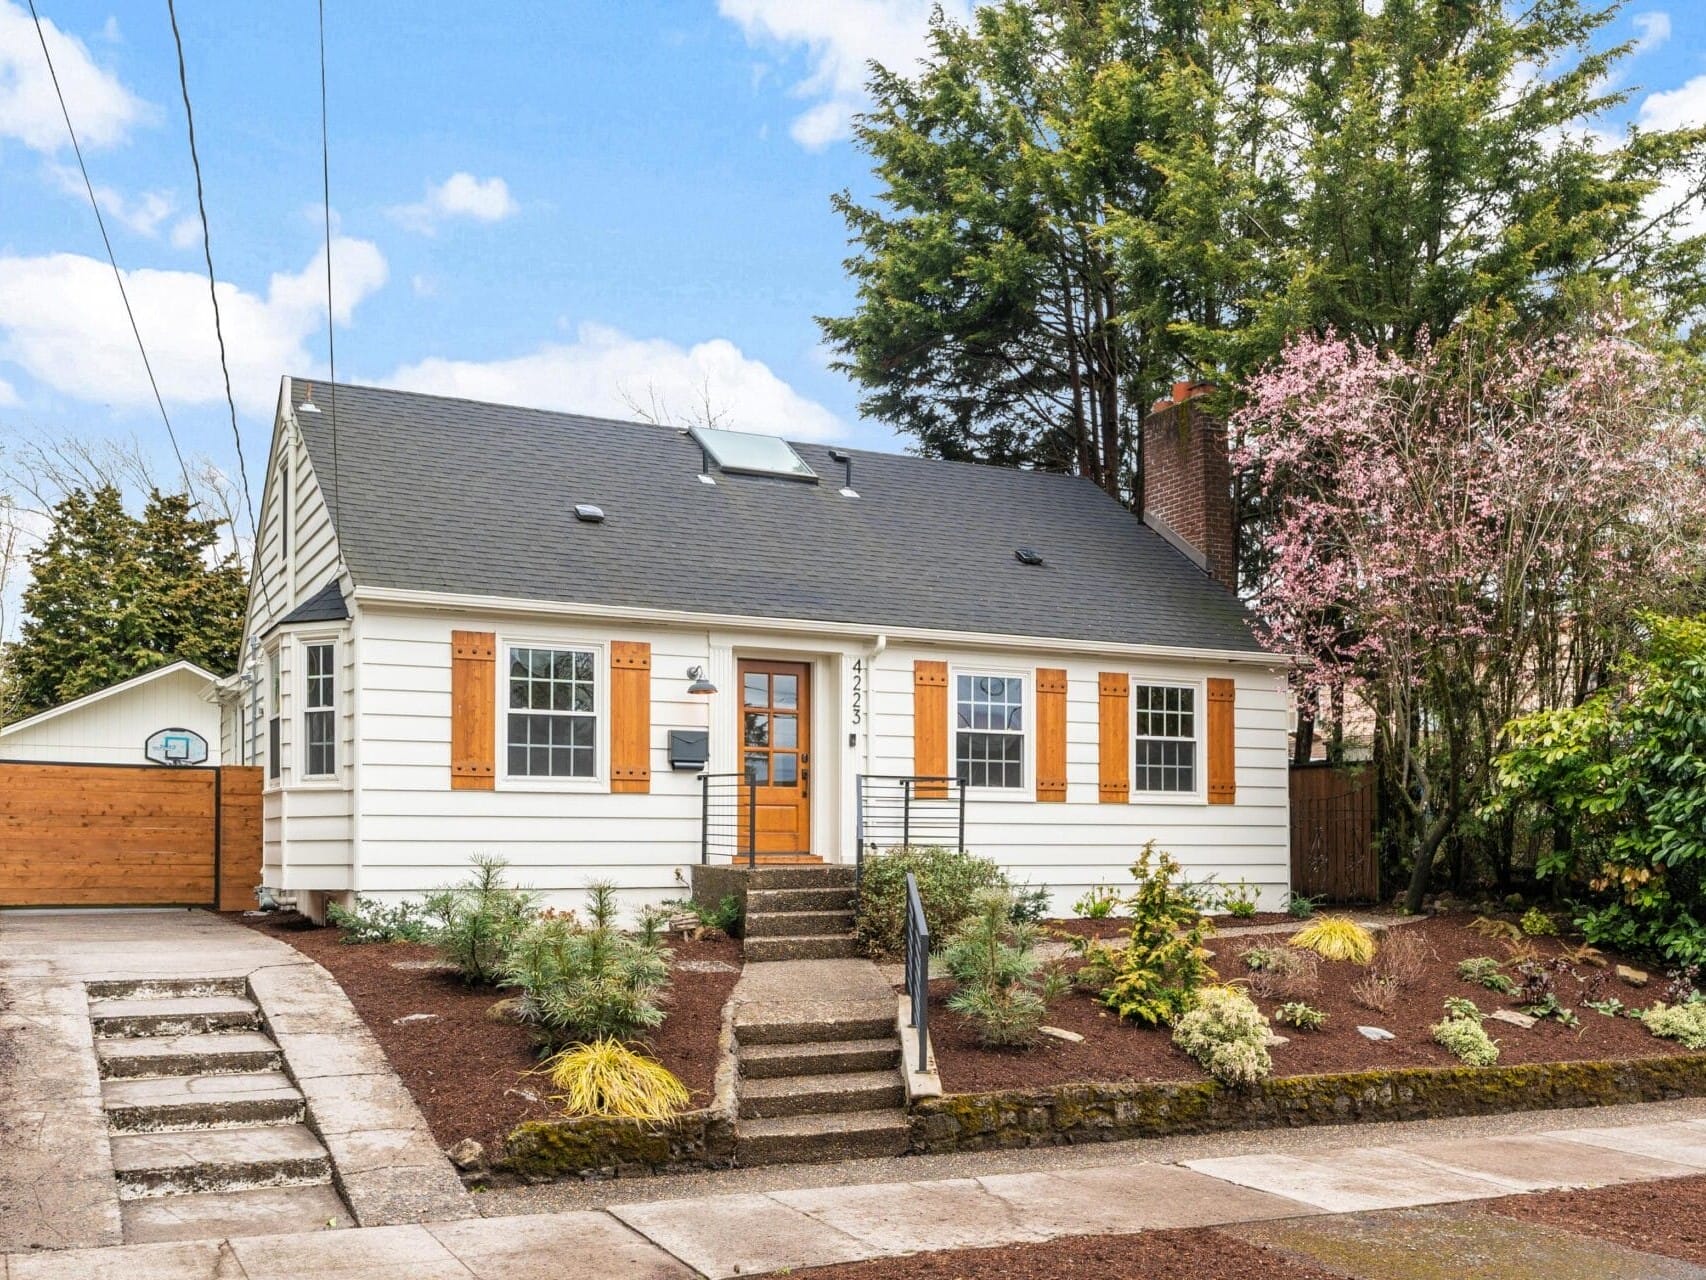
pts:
[443, 495]
[325, 605]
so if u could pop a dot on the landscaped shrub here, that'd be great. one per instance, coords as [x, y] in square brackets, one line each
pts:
[1486, 972]
[1302, 1016]
[1240, 900]
[1336, 938]
[1464, 1036]
[1537, 924]
[1282, 973]
[371, 921]
[1403, 957]
[992, 957]
[1154, 978]
[948, 881]
[1227, 1035]
[605, 1078]
[1684, 1023]
[1098, 903]
[587, 982]
[1299, 906]
[1375, 991]
[476, 921]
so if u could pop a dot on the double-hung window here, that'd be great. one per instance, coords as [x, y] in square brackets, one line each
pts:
[1165, 725]
[553, 713]
[275, 762]
[319, 710]
[989, 736]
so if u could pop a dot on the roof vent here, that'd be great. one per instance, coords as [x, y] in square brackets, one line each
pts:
[587, 513]
[1024, 555]
[846, 460]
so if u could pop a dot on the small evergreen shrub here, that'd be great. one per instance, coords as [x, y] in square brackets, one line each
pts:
[372, 921]
[1336, 938]
[1227, 1035]
[1484, 971]
[1535, 923]
[1098, 903]
[1465, 1037]
[1302, 1016]
[1299, 907]
[476, 921]
[1154, 978]
[606, 1078]
[1030, 904]
[993, 959]
[585, 983]
[1684, 1023]
[1240, 900]
[948, 881]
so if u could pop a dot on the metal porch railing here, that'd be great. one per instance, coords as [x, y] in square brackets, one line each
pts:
[728, 818]
[899, 810]
[918, 971]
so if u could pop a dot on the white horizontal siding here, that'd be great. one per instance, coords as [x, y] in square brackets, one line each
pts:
[114, 729]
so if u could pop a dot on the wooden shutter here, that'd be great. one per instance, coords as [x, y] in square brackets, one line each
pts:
[1051, 735]
[1114, 697]
[473, 710]
[630, 717]
[930, 724]
[1222, 760]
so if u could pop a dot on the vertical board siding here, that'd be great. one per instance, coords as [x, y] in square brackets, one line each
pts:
[1051, 735]
[630, 717]
[473, 710]
[1113, 691]
[930, 724]
[1222, 764]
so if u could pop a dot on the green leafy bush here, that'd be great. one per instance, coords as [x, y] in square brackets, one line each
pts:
[1300, 907]
[476, 921]
[725, 917]
[992, 957]
[1684, 1023]
[1154, 978]
[1463, 1007]
[1302, 1016]
[1622, 775]
[585, 983]
[1535, 923]
[1030, 904]
[1240, 900]
[1466, 1038]
[1098, 903]
[1227, 1035]
[948, 882]
[1486, 972]
[373, 921]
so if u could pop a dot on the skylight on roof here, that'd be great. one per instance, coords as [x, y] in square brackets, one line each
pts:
[743, 452]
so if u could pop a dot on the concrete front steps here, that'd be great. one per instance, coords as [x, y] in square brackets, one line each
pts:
[820, 1069]
[209, 1134]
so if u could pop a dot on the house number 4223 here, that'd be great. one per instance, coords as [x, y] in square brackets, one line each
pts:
[858, 690]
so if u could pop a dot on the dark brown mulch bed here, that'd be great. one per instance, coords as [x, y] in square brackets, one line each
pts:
[467, 1072]
[1116, 1051]
[1658, 1217]
[1116, 926]
[1153, 1255]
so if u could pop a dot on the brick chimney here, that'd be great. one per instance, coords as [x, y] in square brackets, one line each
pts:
[1187, 482]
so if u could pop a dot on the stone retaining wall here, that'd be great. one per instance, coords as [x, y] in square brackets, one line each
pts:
[1076, 1113]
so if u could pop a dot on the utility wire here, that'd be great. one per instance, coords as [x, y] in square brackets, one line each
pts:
[118, 276]
[326, 202]
[207, 254]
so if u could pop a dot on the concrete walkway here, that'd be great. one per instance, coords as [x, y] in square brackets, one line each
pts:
[58, 1187]
[1325, 1196]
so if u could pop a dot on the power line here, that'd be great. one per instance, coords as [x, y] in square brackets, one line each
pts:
[118, 276]
[326, 201]
[212, 291]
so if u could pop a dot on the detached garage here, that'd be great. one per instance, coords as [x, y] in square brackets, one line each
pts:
[114, 725]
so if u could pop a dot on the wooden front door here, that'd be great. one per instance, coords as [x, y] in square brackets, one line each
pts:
[775, 729]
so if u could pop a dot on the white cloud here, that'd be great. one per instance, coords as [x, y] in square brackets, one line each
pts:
[1654, 29]
[62, 321]
[839, 40]
[461, 195]
[606, 372]
[186, 233]
[142, 215]
[9, 398]
[1680, 108]
[102, 109]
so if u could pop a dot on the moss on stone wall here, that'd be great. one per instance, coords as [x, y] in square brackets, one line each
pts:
[596, 1146]
[1106, 1112]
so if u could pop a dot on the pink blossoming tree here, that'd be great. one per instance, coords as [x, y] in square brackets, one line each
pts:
[1465, 533]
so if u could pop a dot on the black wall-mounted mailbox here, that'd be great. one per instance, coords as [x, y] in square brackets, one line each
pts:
[689, 748]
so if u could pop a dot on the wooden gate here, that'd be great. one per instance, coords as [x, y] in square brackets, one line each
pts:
[75, 835]
[1332, 834]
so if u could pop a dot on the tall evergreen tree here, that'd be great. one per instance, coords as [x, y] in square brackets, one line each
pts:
[112, 596]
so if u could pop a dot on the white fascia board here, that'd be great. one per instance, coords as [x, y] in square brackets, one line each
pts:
[430, 601]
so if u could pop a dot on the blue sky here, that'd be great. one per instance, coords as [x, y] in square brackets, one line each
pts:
[569, 204]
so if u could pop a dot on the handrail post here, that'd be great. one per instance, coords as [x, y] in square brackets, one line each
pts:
[961, 782]
[704, 819]
[751, 818]
[858, 828]
[918, 969]
[906, 813]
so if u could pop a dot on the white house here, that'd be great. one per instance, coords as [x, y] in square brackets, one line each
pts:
[115, 725]
[482, 629]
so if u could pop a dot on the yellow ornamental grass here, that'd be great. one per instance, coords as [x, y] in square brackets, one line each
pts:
[1336, 938]
[606, 1078]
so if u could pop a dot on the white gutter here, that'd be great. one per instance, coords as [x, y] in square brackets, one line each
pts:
[402, 598]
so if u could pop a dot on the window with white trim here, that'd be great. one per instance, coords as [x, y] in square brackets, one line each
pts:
[319, 710]
[553, 713]
[1165, 725]
[275, 762]
[989, 730]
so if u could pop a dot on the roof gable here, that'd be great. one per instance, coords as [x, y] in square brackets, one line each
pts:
[182, 667]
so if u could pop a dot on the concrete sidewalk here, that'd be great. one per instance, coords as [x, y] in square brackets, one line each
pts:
[755, 1232]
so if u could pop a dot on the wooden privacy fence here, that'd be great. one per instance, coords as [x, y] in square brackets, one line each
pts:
[74, 835]
[1332, 834]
